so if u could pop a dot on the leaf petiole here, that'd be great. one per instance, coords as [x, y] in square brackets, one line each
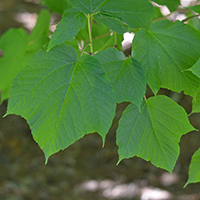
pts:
[89, 17]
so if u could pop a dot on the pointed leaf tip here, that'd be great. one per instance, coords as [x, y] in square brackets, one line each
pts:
[65, 98]
[154, 134]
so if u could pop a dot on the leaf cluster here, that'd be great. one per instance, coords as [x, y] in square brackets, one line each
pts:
[70, 86]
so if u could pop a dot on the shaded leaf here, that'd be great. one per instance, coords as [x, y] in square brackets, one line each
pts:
[72, 21]
[196, 103]
[58, 6]
[194, 170]
[195, 69]
[117, 14]
[126, 75]
[102, 37]
[154, 133]
[171, 4]
[63, 98]
[87, 6]
[166, 50]
[195, 8]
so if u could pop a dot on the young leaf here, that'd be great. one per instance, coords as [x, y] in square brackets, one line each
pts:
[63, 98]
[72, 21]
[126, 75]
[171, 4]
[116, 14]
[154, 133]
[194, 170]
[166, 50]
[18, 49]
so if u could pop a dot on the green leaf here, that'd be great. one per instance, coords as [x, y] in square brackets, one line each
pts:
[40, 33]
[117, 14]
[113, 22]
[13, 43]
[63, 98]
[154, 133]
[166, 50]
[58, 6]
[87, 6]
[18, 49]
[72, 21]
[126, 75]
[194, 170]
[102, 37]
[195, 8]
[194, 22]
[171, 4]
[111, 58]
[196, 103]
[195, 69]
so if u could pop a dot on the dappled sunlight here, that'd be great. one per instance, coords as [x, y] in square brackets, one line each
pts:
[117, 190]
[27, 19]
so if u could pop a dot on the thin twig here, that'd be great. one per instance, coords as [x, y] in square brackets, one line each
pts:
[189, 18]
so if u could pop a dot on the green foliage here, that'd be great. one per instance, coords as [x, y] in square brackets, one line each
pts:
[127, 76]
[73, 20]
[194, 171]
[58, 6]
[156, 140]
[76, 98]
[71, 85]
[171, 4]
[161, 50]
[19, 48]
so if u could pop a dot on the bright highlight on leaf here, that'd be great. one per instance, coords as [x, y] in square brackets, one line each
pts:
[194, 170]
[126, 75]
[166, 50]
[154, 133]
[63, 98]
